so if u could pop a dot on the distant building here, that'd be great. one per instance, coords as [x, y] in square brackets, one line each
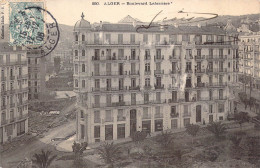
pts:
[36, 75]
[57, 64]
[250, 58]
[152, 80]
[13, 93]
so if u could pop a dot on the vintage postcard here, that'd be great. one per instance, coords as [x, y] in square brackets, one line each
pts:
[129, 83]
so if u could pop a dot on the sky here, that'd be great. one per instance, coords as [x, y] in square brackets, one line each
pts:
[69, 11]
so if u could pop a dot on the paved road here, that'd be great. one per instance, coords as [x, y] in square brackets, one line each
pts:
[29, 148]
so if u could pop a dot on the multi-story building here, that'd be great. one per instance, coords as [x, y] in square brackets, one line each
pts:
[36, 75]
[154, 79]
[13, 92]
[249, 58]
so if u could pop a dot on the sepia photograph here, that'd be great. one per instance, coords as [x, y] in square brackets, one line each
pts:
[129, 83]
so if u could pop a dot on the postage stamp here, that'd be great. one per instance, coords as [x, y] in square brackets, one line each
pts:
[26, 24]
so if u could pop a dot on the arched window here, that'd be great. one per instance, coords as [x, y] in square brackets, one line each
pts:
[76, 53]
[76, 37]
[83, 84]
[11, 72]
[173, 52]
[76, 83]
[83, 53]
[83, 37]
[83, 67]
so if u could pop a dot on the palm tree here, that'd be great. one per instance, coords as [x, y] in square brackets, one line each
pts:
[78, 149]
[109, 152]
[217, 128]
[192, 130]
[44, 159]
[165, 139]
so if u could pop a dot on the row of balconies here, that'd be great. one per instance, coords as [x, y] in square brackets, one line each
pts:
[162, 101]
[14, 119]
[158, 72]
[11, 63]
[3, 78]
[12, 91]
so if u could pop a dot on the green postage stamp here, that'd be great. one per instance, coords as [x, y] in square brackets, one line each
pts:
[26, 23]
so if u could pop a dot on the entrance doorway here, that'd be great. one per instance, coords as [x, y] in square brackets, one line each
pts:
[133, 121]
[198, 113]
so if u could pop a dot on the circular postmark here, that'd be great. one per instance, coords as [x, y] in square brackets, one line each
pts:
[28, 28]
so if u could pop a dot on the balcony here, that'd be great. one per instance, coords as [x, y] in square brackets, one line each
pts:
[97, 120]
[134, 88]
[3, 107]
[109, 89]
[186, 114]
[174, 115]
[158, 86]
[147, 72]
[3, 92]
[199, 71]
[147, 57]
[217, 57]
[158, 115]
[174, 58]
[188, 71]
[199, 57]
[158, 72]
[106, 43]
[147, 87]
[175, 71]
[12, 77]
[173, 100]
[133, 58]
[4, 122]
[173, 87]
[199, 85]
[217, 84]
[22, 76]
[133, 73]
[3, 78]
[158, 58]
[108, 58]
[109, 73]
[12, 105]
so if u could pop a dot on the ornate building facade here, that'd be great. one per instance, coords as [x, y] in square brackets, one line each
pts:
[151, 79]
[14, 92]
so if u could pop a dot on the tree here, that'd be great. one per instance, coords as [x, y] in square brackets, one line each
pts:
[217, 128]
[192, 130]
[43, 159]
[109, 152]
[243, 97]
[165, 139]
[138, 136]
[241, 118]
[78, 149]
[252, 102]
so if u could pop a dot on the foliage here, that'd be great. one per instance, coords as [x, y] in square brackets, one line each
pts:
[109, 152]
[165, 139]
[252, 102]
[243, 97]
[43, 159]
[78, 149]
[217, 128]
[242, 117]
[139, 136]
[192, 130]
[252, 147]
[235, 139]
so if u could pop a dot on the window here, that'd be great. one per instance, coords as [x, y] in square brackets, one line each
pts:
[83, 37]
[96, 116]
[186, 111]
[108, 38]
[158, 97]
[97, 131]
[121, 53]
[198, 94]
[83, 53]
[174, 112]
[109, 132]
[82, 128]
[211, 52]
[132, 38]
[83, 68]
[133, 54]
[120, 115]
[221, 94]
[158, 53]
[186, 121]
[83, 83]
[76, 37]
[221, 118]
[76, 53]
[120, 98]
[120, 131]
[174, 123]
[221, 53]
[210, 38]
[147, 54]
[109, 117]
[158, 113]
[198, 52]
[185, 37]
[210, 94]
[147, 81]
[158, 125]
[96, 38]
[188, 66]
[147, 67]
[221, 107]
[20, 128]
[146, 97]
[81, 114]
[157, 38]
[120, 38]
[97, 83]
[76, 83]
[145, 38]
[210, 108]
[146, 114]
[174, 96]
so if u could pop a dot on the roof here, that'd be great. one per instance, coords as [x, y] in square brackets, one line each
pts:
[166, 29]
[82, 24]
[129, 19]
